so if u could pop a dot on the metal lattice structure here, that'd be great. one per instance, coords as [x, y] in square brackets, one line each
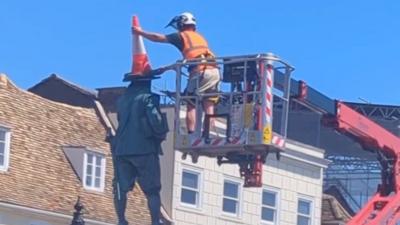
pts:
[387, 112]
[356, 178]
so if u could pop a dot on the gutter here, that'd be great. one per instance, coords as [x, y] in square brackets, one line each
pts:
[48, 213]
[104, 117]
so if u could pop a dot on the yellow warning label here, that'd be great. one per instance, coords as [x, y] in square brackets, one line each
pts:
[267, 134]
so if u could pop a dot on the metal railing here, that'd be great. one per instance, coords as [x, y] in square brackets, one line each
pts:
[257, 93]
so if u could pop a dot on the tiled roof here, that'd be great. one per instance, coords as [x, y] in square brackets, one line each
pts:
[333, 212]
[40, 175]
[334, 191]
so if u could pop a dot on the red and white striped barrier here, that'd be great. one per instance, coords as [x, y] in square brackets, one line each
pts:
[213, 142]
[278, 141]
[197, 142]
[268, 94]
[218, 141]
[236, 140]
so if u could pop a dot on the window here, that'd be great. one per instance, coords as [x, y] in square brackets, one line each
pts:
[190, 192]
[304, 212]
[269, 206]
[4, 148]
[230, 202]
[94, 171]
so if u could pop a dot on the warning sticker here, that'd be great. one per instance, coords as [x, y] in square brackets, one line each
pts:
[267, 134]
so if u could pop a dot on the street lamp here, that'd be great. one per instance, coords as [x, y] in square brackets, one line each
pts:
[78, 214]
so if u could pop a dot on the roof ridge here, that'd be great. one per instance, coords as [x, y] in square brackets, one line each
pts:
[9, 83]
[93, 93]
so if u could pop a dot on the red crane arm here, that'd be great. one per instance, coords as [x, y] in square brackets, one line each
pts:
[384, 206]
[370, 134]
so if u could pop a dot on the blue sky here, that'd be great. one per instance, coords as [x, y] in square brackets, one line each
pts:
[345, 49]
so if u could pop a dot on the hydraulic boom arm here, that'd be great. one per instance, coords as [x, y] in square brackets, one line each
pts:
[384, 206]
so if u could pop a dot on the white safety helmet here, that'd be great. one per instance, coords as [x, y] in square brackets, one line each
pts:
[181, 20]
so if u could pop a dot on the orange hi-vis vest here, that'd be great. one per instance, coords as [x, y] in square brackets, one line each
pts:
[195, 47]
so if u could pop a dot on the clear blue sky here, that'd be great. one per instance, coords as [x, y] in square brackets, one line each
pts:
[346, 49]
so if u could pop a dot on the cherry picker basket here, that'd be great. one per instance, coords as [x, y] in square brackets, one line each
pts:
[241, 128]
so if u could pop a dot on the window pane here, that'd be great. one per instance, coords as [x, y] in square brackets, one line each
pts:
[229, 205]
[188, 196]
[97, 182]
[90, 158]
[301, 220]
[304, 207]
[98, 161]
[231, 190]
[189, 180]
[89, 181]
[98, 171]
[2, 147]
[268, 214]
[2, 135]
[268, 198]
[88, 170]
[1, 160]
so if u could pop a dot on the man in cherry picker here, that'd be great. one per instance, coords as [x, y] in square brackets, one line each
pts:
[193, 46]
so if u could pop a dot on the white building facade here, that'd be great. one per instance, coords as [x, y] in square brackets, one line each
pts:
[207, 194]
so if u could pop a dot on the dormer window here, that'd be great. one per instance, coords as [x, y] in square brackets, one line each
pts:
[5, 136]
[94, 171]
[90, 166]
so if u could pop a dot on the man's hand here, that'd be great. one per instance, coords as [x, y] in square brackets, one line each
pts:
[137, 30]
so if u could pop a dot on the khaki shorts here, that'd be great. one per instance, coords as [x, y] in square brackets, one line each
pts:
[208, 82]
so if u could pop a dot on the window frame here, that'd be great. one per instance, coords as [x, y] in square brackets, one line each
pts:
[309, 200]
[7, 144]
[238, 200]
[102, 171]
[198, 191]
[276, 208]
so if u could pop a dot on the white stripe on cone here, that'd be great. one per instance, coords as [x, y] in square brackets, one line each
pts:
[138, 43]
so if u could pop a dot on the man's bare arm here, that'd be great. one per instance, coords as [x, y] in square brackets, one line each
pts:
[156, 37]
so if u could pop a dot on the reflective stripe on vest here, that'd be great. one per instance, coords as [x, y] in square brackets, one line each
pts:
[194, 45]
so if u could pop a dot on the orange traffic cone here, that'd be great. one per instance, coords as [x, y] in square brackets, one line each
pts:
[140, 61]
